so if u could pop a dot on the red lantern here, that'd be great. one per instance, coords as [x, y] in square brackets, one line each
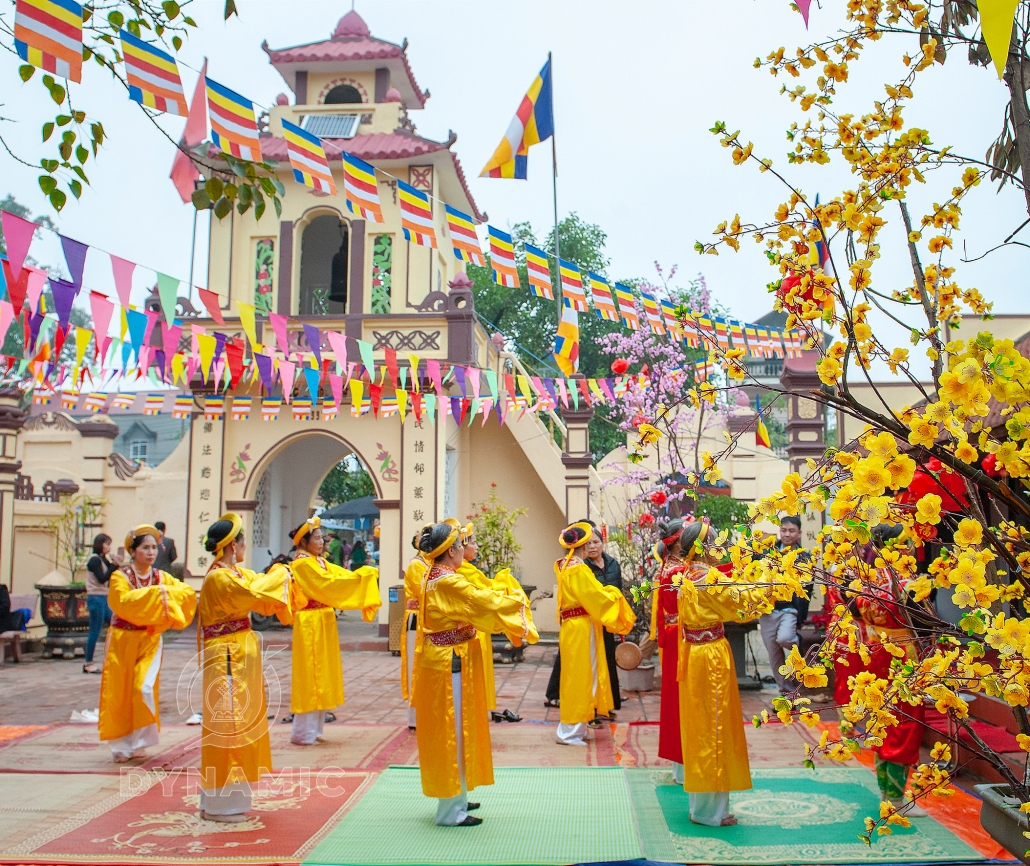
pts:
[787, 285]
[926, 531]
[659, 498]
[990, 465]
[638, 420]
[948, 485]
[620, 366]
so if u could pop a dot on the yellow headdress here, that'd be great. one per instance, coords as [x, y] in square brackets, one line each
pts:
[142, 529]
[309, 525]
[453, 536]
[575, 535]
[231, 536]
[468, 532]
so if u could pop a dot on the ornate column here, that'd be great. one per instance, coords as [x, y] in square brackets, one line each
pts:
[577, 458]
[390, 563]
[461, 321]
[97, 433]
[806, 426]
[11, 420]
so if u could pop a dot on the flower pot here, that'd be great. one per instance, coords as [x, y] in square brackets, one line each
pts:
[64, 610]
[1001, 818]
[640, 679]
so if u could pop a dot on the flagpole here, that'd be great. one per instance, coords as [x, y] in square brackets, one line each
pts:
[193, 254]
[554, 188]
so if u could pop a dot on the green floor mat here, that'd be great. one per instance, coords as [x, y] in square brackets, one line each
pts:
[552, 815]
[790, 816]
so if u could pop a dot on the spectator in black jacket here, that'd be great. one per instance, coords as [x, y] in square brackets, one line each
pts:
[609, 572]
[98, 577]
[166, 552]
[10, 620]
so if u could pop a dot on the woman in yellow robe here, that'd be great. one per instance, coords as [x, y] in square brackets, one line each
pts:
[234, 749]
[711, 722]
[585, 608]
[144, 602]
[450, 690]
[319, 586]
[413, 575]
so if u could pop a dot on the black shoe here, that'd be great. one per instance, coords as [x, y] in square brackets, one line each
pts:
[330, 717]
[287, 719]
[469, 821]
[551, 704]
[497, 717]
[471, 807]
[508, 715]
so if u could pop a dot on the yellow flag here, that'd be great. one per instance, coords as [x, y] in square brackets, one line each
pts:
[996, 18]
[82, 337]
[402, 403]
[413, 360]
[247, 320]
[178, 367]
[206, 343]
[357, 389]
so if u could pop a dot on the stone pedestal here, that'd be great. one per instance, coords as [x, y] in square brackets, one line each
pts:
[577, 458]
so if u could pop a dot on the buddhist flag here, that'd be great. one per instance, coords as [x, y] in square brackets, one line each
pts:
[502, 258]
[737, 333]
[233, 124]
[703, 371]
[214, 408]
[48, 35]
[241, 407]
[571, 277]
[153, 76]
[69, 399]
[307, 156]
[601, 294]
[538, 269]
[301, 408]
[270, 407]
[654, 315]
[361, 190]
[722, 334]
[672, 324]
[416, 216]
[533, 123]
[761, 432]
[123, 401]
[627, 306]
[753, 347]
[154, 404]
[95, 401]
[819, 254]
[183, 407]
[566, 342]
[464, 240]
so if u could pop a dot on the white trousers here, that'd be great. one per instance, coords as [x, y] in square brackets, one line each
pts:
[779, 633]
[233, 799]
[710, 809]
[127, 746]
[677, 773]
[409, 637]
[453, 810]
[307, 727]
[576, 735]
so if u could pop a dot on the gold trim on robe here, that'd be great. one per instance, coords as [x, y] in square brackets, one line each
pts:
[582, 695]
[131, 680]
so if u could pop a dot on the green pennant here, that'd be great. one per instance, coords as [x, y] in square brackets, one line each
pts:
[168, 291]
[570, 384]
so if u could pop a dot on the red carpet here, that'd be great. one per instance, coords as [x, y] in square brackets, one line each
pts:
[997, 738]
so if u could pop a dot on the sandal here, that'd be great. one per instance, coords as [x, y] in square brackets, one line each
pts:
[497, 717]
[91, 668]
[287, 719]
[330, 717]
[594, 723]
[552, 704]
[508, 715]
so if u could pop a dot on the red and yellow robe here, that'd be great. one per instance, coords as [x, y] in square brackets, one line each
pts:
[586, 607]
[235, 743]
[452, 610]
[318, 587]
[142, 609]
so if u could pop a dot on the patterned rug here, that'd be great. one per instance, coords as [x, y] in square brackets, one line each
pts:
[14, 732]
[77, 749]
[153, 818]
[526, 744]
[530, 816]
[790, 816]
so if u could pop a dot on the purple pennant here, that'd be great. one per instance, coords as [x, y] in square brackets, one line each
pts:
[314, 337]
[459, 374]
[549, 385]
[35, 322]
[64, 297]
[160, 362]
[264, 365]
[456, 409]
[75, 256]
[219, 346]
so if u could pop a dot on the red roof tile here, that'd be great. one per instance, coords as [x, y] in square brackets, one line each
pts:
[374, 146]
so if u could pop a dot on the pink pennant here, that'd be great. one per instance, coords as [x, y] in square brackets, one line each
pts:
[170, 339]
[562, 392]
[803, 8]
[281, 337]
[6, 317]
[123, 278]
[34, 287]
[336, 384]
[338, 342]
[287, 370]
[152, 319]
[192, 364]
[18, 234]
[433, 370]
[102, 310]
[472, 377]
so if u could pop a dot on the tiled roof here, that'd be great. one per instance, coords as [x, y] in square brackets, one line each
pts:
[373, 146]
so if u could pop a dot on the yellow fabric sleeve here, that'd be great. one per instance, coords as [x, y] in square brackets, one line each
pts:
[605, 604]
[170, 604]
[335, 586]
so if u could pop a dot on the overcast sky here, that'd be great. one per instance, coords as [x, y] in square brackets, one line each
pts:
[637, 85]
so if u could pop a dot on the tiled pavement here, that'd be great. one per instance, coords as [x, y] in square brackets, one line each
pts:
[43, 692]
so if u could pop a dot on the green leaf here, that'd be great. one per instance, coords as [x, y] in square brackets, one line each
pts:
[81, 153]
[809, 764]
[259, 209]
[47, 184]
[230, 191]
[159, 29]
[79, 116]
[116, 19]
[63, 119]
[49, 165]
[278, 205]
[171, 9]
[58, 199]
[80, 173]
[65, 150]
[201, 200]
[222, 207]
[57, 93]
[246, 196]
[26, 72]
[75, 187]
[177, 42]
[267, 185]
[230, 9]
[133, 27]
[214, 187]
[48, 130]
[189, 22]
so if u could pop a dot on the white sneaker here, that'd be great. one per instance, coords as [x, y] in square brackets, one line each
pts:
[195, 719]
[575, 741]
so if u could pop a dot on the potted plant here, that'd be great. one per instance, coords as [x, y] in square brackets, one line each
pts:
[63, 593]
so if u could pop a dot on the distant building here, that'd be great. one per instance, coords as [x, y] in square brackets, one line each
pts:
[148, 439]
